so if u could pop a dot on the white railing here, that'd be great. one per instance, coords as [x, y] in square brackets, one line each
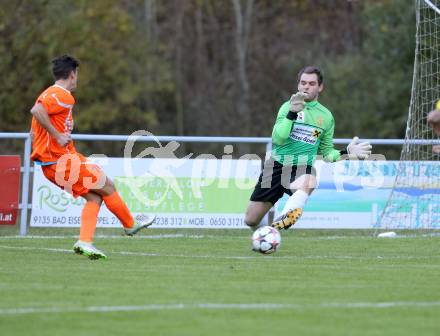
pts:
[26, 169]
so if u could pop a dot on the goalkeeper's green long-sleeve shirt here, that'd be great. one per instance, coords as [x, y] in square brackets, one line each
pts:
[298, 141]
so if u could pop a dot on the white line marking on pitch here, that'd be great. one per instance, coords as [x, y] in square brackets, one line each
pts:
[176, 235]
[208, 236]
[141, 254]
[257, 256]
[160, 236]
[35, 248]
[219, 306]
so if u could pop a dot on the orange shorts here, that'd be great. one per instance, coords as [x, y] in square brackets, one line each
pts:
[75, 175]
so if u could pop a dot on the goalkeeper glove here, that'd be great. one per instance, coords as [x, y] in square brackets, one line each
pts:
[358, 151]
[297, 102]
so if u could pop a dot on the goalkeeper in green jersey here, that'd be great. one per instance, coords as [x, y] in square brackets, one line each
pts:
[303, 129]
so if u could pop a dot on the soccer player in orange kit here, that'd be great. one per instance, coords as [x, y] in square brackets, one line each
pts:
[53, 149]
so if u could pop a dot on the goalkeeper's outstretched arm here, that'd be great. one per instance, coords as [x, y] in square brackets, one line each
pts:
[326, 149]
[355, 150]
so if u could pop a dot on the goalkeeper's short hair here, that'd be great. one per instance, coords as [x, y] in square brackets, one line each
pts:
[310, 69]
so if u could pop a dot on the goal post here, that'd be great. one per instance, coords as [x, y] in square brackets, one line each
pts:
[414, 201]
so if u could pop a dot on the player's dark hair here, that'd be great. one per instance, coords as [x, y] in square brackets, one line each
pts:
[311, 70]
[62, 66]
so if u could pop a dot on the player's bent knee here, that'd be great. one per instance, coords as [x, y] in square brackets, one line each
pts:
[306, 183]
[255, 213]
[250, 223]
[308, 190]
[109, 182]
[93, 197]
[251, 220]
[107, 189]
[109, 185]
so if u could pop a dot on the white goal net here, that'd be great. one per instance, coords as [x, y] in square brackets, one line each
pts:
[415, 199]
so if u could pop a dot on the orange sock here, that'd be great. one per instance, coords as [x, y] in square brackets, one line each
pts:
[89, 217]
[118, 207]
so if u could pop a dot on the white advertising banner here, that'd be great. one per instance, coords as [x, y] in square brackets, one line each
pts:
[213, 193]
[353, 194]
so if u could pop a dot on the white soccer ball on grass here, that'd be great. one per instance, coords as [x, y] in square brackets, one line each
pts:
[266, 240]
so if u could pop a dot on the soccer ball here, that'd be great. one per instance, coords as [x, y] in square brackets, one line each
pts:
[266, 240]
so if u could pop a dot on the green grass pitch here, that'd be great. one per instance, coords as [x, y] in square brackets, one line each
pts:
[209, 282]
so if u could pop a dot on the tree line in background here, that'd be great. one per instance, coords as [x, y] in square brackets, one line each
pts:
[210, 67]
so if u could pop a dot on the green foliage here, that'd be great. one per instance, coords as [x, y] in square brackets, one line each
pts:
[113, 80]
[370, 88]
[168, 68]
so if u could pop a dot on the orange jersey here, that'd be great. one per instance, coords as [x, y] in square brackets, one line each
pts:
[58, 103]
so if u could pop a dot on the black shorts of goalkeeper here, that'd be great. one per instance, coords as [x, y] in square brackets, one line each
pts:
[275, 180]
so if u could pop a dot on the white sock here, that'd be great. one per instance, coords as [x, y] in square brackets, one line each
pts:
[297, 200]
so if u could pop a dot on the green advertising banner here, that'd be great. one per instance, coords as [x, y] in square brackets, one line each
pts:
[214, 193]
[182, 193]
